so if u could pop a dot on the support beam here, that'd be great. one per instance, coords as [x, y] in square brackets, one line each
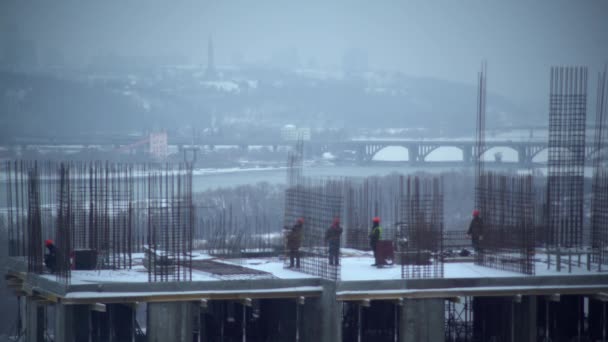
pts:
[34, 329]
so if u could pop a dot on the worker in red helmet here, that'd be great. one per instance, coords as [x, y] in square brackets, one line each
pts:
[294, 240]
[50, 258]
[374, 236]
[332, 237]
[476, 230]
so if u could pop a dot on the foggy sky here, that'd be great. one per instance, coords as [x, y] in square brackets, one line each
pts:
[440, 39]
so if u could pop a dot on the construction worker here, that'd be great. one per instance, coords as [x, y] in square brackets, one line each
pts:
[50, 258]
[294, 240]
[374, 237]
[332, 236]
[476, 230]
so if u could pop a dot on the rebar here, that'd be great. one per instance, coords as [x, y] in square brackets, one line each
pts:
[507, 214]
[599, 202]
[318, 203]
[420, 233]
[567, 115]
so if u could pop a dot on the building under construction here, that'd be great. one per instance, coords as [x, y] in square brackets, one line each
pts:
[135, 259]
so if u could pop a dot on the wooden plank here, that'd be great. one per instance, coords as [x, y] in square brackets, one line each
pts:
[449, 293]
[191, 297]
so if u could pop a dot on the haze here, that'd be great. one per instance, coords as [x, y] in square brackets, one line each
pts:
[439, 39]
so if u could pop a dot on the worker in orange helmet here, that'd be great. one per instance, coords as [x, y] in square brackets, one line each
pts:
[476, 230]
[332, 236]
[294, 240]
[50, 258]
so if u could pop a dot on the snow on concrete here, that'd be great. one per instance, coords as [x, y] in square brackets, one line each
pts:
[356, 266]
[272, 265]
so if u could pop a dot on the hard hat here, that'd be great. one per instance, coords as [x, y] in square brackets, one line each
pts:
[48, 242]
[301, 220]
[376, 219]
[475, 213]
[336, 220]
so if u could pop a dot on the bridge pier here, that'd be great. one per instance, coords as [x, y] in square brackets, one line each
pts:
[412, 154]
[467, 154]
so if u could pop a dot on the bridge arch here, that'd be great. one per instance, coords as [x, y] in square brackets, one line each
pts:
[391, 153]
[444, 153]
[509, 154]
[597, 153]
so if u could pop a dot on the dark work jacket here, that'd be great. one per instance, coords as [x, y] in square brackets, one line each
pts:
[50, 259]
[332, 236]
[294, 237]
[476, 228]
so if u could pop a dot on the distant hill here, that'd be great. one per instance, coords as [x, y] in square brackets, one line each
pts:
[48, 105]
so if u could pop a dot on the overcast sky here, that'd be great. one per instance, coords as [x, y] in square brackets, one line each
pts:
[446, 39]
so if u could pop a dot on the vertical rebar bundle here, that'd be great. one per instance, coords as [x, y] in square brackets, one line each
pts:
[567, 115]
[480, 128]
[34, 223]
[367, 198]
[599, 202]
[295, 160]
[89, 212]
[420, 235]
[507, 212]
[170, 224]
[242, 221]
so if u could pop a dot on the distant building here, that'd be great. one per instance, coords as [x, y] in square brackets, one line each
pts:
[211, 72]
[293, 133]
[158, 145]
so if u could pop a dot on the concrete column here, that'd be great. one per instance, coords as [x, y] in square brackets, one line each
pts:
[524, 319]
[422, 320]
[72, 323]
[170, 322]
[321, 319]
[34, 321]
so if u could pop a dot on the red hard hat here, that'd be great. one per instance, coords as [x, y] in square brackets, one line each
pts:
[376, 219]
[475, 213]
[336, 220]
[48, 242]
[301, 220]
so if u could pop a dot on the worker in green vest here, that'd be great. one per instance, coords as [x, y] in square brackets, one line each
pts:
[374, 236]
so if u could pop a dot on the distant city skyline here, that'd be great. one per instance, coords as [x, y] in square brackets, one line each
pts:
[437, 39]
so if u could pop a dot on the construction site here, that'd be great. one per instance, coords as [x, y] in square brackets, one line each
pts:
[137, 257]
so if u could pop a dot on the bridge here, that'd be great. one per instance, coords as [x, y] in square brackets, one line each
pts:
[364, 150]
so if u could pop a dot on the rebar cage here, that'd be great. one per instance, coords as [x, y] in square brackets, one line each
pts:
[420, 234]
